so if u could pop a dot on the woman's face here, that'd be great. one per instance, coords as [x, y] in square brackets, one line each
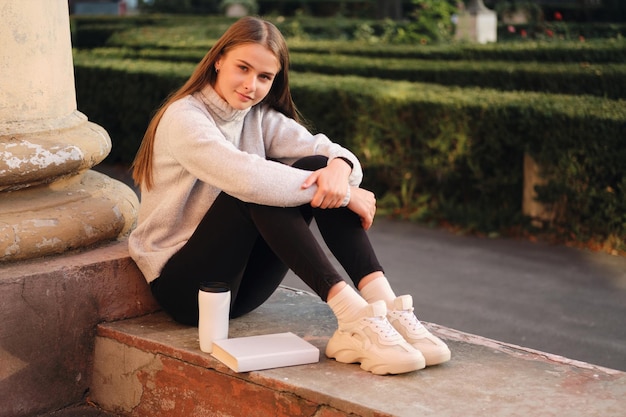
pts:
[245, 75]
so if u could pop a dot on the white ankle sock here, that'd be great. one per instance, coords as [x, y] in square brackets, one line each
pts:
[347, 304]
[379, 289]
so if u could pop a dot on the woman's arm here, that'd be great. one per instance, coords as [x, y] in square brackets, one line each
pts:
[286, 140]
[330, 193]
[196, 146]
[332, 184]
[363, 203]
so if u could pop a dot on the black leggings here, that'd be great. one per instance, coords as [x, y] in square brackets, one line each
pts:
[251, 247]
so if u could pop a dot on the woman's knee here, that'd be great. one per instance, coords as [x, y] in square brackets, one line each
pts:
[311, 163]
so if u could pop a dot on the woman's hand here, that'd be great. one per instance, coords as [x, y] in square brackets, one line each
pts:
[332, 184]
[363, 203]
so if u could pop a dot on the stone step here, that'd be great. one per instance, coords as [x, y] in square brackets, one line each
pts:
[152, 366]
[50, 308]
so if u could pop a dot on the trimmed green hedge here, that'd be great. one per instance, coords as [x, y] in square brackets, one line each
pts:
[440, 153]
[456, 154]
[605, 80]
[541, 51]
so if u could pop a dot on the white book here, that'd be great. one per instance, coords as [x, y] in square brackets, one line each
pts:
[253, 353]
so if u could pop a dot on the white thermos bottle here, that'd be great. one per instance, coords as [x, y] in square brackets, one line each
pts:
[213, 309]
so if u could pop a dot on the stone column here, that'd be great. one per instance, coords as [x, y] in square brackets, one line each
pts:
[477, 23]
[50, 200]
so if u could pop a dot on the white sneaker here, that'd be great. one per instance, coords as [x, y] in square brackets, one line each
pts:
[373, 342]
[403, 319]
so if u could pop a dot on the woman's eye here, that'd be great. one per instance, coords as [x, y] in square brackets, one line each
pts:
[243, 68]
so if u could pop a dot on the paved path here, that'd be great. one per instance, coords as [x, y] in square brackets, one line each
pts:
[554, 299]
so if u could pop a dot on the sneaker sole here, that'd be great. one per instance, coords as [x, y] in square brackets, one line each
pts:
[378, 369]
[352, 356]
[437, 359]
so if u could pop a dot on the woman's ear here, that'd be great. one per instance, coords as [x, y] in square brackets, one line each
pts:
[218, 63]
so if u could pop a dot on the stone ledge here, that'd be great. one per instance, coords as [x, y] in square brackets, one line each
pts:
[151, 366]
[50, 308]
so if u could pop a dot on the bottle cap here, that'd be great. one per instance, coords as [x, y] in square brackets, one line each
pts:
[214, 286]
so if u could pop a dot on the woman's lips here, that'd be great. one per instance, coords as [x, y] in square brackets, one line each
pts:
[244, 97]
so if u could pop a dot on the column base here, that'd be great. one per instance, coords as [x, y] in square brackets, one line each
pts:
[42, 151]
[76, 212]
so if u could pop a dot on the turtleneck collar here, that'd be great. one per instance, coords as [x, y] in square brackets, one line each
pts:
[219, 107]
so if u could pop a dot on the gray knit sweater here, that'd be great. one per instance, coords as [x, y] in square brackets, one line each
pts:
[203, 146]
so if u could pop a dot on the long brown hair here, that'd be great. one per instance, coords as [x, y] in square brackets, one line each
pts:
[245, 30]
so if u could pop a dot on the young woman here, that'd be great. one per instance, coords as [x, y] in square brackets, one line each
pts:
[230, 181]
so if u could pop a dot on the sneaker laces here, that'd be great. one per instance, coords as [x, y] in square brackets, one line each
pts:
[409, 320]
[381, 326]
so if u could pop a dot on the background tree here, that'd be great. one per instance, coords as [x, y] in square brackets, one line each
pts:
[432, 19]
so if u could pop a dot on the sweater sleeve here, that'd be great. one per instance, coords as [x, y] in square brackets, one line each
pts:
[193, 139]
[287, 140]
